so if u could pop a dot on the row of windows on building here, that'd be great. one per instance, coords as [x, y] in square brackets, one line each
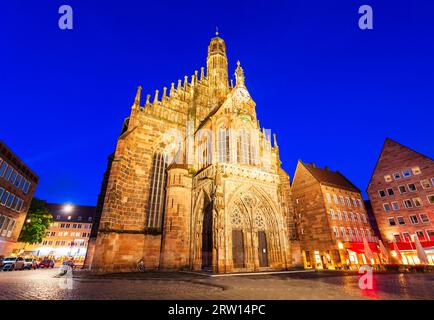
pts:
[11, 175]
[74, 226]
[62, 243]
[66, 234]
[7, 226]
[79, 218]
[408, 203]
[423, 218]
[11, 200]
[344, 201]
[406, 173]
[347, 216]
[410, 187]
[352, 232]
[423, 235]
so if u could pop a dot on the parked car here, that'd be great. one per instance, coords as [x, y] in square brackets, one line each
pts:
[30, 264]
[13, 263]
[69, 263]
[46, 263]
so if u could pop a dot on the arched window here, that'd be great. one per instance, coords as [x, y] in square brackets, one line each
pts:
[244, 147]
[204, 151]
[223, 145]
[157, 191]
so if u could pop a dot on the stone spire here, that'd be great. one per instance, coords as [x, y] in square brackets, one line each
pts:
[239, 74]
[137, 98]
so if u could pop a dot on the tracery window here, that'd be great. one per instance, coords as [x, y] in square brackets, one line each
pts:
[244, 147]
[157, 191]
[223, 144]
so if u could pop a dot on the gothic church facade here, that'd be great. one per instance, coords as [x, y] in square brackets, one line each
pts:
[195, 183]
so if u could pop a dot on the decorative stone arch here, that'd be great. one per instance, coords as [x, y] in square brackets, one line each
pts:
[201, 230]
[253, 213]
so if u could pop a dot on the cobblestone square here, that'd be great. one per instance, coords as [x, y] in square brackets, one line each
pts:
[46, 285]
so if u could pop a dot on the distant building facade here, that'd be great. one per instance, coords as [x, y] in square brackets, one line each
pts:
[67, 237]
[17, 186]
[331, 219]
[401, 191]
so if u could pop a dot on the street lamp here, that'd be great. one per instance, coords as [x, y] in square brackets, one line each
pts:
[68, 208]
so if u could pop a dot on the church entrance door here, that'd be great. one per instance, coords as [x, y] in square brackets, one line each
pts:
[207, 238]
[238, 248]
[262, 249]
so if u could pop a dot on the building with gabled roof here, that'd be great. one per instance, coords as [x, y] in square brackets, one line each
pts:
[401, 191]
[331, 219]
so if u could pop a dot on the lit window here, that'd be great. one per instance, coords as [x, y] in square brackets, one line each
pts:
[424, 218]
[406, 173]
[417, 202]
[396, 176]
[335, 198]
[388, 178]
[397, 237]
[413, 219]
[395, 206]
[412, 187]
[406, 237]
[400, 220]
[386, 207]
[354, 202]
[408, 203]
[382, 193]
[332, 214]
[420, 235]
[416, 170]
[425, 184]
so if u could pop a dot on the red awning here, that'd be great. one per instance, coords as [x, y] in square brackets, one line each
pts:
[360, 248]
[405, 246]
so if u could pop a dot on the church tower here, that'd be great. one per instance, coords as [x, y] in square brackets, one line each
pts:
[217, 68]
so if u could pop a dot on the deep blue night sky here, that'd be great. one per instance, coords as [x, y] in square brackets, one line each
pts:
[330, 91]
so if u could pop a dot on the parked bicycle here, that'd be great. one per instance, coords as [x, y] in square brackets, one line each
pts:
[141, 266]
